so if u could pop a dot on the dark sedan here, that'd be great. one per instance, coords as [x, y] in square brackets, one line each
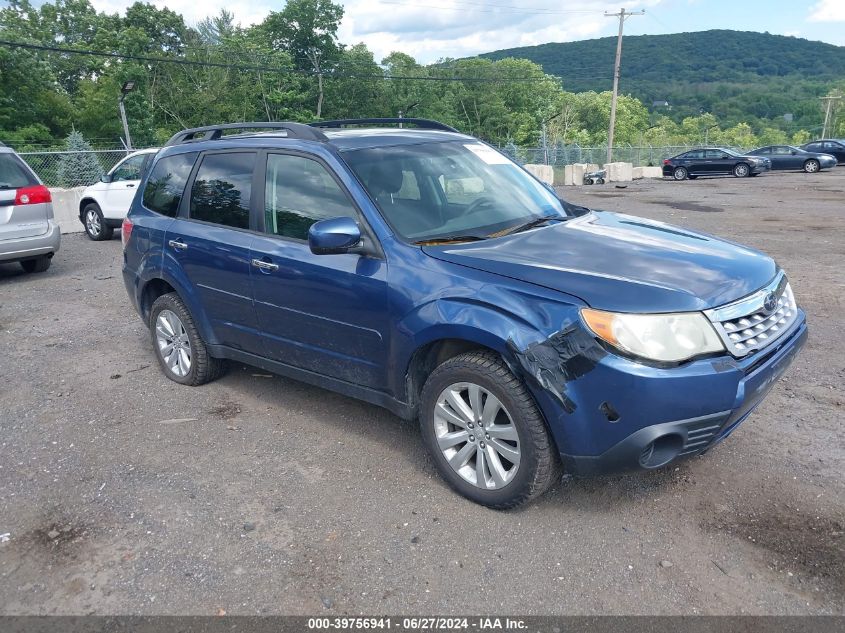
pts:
[714, 161]
[834, 147]
[795, 158]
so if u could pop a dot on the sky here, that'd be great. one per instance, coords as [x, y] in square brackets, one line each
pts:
[432, 29]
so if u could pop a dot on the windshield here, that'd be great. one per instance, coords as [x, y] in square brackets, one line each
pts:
[451, 191]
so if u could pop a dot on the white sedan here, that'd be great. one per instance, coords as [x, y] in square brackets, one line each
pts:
[104, 204]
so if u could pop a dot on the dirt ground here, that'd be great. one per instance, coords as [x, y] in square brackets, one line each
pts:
[125, 493]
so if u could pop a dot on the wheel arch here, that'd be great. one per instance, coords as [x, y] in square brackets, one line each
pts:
[161, 284]
[84, 202]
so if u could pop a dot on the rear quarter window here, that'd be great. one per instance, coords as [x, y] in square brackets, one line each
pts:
[166, 184]
[13, 174]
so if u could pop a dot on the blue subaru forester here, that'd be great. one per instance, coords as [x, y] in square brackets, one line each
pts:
[423, 271]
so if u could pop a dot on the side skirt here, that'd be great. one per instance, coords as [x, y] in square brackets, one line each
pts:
[378, 398]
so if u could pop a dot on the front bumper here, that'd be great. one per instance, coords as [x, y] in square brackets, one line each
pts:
[660, 415]
[29, 247]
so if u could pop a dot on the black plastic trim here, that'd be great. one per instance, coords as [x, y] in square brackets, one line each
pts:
[426, 124]
[625, 455]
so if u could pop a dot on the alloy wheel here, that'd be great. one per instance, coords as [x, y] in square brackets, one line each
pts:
[173, 343]
[92, 223]
[476, 435]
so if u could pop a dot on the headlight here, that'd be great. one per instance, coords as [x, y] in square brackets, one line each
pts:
[660, 337]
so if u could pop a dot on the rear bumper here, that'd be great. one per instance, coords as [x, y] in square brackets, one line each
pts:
[720, 393]
[28, 247]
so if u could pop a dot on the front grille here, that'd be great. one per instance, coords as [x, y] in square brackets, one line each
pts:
[750, 324]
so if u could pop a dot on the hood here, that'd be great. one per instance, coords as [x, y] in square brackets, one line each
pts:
[621, 263]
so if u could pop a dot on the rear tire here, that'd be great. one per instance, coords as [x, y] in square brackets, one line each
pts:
[180, 350]
[37, 265]
[741, 170]
[466, 432]
[95, 224]
[812, 166]
[680, 173]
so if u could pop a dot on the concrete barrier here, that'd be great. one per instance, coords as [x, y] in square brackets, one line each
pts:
[647, 172]
[574, 174]
[542, 172]
[619, 172]
[66, 208]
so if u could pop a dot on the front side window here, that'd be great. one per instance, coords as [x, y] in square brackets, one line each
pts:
[130, 169]
[222, 189]
[299, 192]
[442, 190]
[166, 184]
[715, 154]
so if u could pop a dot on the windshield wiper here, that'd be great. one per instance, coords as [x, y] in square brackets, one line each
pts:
[450, 239]
[529, 225]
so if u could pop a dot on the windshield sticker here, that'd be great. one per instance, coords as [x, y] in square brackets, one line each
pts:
[488, 154]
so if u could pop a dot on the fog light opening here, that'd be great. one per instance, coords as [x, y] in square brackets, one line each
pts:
[661, 451]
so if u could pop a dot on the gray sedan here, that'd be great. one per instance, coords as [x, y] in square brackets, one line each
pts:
[795, 158]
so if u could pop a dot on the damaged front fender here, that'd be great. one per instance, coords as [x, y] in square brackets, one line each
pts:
[553, 363]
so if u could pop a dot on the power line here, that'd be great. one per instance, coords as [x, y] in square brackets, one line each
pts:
[491, 8]
[256, 68]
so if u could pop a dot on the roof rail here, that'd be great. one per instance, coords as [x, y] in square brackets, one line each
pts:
[214, 132]
[427, 124]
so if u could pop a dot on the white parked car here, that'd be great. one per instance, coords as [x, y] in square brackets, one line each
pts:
[106, 203]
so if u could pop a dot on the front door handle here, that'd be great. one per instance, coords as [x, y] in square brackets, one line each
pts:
[130, 185]
[179, 246]
[269, 266]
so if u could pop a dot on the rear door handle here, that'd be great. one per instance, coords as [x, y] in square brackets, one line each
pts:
[179, 246]
[269, 266]
[131, 184]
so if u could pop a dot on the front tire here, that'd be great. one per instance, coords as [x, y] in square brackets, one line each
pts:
[95, 225]
[741, 170]
[812, 166]
[37, 265]
[486, 435]
[680, 173]
[180, 350]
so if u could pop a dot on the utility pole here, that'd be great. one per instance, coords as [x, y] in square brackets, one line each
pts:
[622, 15]
[829, 99]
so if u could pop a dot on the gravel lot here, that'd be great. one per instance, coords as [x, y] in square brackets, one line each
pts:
[126, 493]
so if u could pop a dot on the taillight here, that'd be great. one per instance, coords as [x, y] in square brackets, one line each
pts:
[126, 231]
[37, 194]
[667, 161]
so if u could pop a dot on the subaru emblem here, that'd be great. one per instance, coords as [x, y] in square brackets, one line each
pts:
[770, 302]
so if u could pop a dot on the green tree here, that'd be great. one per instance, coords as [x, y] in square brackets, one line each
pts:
[307, 30]
[79, 166]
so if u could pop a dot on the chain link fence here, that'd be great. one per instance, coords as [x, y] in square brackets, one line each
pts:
[67, 169]
[72, 169]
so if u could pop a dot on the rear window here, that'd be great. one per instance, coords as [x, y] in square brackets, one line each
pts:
[166, 184]
[13, 174]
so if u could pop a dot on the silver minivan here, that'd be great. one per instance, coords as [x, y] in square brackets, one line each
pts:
[28, 232]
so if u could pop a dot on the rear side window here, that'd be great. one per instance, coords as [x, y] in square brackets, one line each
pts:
[13, 174]
[222, 189]
[166, 184]
[130, 169]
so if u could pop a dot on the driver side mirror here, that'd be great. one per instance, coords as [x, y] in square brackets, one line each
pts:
[106, 178]
[334, 236]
